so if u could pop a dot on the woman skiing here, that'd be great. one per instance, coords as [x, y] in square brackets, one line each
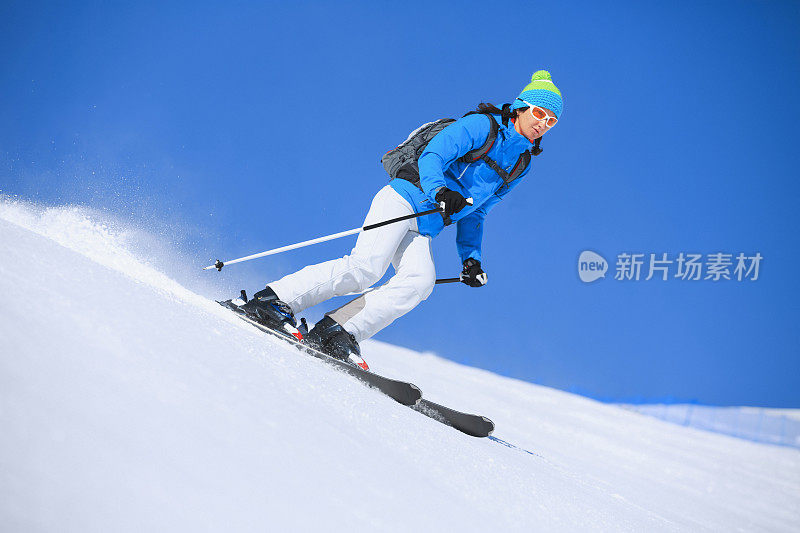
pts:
[459, 170]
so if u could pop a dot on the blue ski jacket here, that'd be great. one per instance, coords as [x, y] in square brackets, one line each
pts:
[439, 166]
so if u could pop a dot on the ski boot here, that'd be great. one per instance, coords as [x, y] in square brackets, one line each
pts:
[267, 309]
[329, 337]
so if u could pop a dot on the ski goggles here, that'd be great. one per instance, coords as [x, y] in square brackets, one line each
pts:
[540, 114]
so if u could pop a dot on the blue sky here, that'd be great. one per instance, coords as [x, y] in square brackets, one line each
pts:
[235, 128]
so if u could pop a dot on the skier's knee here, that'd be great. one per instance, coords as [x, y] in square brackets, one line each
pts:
[369, 272]
[424, 283]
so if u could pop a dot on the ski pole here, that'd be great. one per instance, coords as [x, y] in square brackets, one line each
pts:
[376, 287]
[219, 264]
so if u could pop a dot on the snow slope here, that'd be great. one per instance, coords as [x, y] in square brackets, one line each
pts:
[130, 403]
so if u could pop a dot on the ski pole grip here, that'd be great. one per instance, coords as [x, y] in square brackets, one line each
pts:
[446, 218]
[470, 201]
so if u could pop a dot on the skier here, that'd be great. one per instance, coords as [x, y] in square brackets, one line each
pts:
[445, 176]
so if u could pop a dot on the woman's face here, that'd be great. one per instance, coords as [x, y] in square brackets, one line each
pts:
[529, 126]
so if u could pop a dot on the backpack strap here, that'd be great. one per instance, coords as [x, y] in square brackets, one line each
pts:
[506, 114]
[478, 153]
[536, 150]
[523, 160]
[519, 167]
[410, 172]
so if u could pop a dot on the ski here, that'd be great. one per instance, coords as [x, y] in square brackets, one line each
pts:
[402, 392]
[473, 425]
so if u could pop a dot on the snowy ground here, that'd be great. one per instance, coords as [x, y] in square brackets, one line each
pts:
[129, 403]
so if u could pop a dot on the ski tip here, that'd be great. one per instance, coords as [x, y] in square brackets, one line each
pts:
[490, 424]
[418, 394]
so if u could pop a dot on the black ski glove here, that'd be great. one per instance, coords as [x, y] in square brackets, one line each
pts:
[472, 274]
[451, 201]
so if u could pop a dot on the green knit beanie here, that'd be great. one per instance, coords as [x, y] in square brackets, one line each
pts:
[541, 91]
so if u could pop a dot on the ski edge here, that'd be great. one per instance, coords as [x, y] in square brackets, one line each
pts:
[469, 424]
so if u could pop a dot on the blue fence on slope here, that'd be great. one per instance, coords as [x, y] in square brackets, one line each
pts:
[750, 423]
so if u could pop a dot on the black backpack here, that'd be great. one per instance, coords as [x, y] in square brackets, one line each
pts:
[401, 162]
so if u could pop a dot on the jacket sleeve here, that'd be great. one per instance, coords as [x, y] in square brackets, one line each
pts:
[454, 141]
[469, 230]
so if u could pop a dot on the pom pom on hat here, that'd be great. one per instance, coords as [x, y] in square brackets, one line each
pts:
[542, 75]
[541, 91]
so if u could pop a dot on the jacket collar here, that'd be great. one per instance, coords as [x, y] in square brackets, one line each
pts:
[511, 134]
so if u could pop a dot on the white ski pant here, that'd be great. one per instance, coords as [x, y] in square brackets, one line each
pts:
[399, 244]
